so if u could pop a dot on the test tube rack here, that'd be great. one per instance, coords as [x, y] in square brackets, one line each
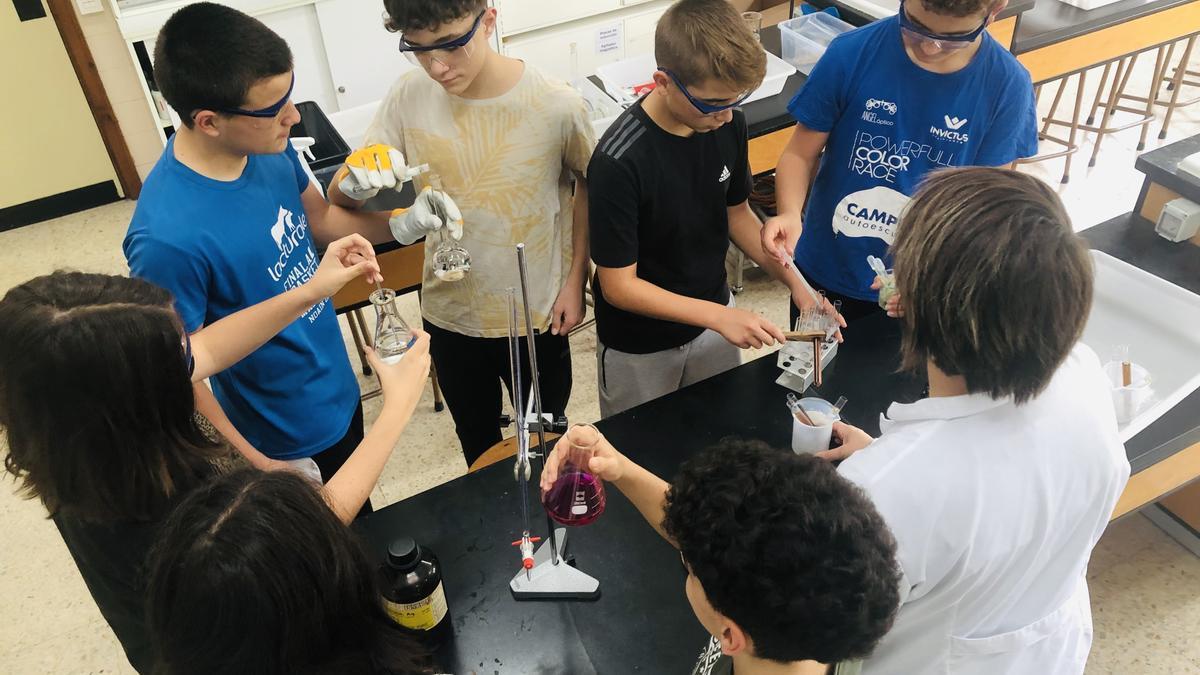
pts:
[795, 359]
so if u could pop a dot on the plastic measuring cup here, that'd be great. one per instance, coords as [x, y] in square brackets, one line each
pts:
[810, 439]
[1129, 400]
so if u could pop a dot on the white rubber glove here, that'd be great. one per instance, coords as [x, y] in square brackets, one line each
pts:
[368, 170]
[420, 219]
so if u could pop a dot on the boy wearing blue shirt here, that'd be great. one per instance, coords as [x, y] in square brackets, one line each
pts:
[887, 104]
[227, 218]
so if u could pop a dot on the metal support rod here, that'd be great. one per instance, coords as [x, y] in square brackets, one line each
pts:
[535, 383]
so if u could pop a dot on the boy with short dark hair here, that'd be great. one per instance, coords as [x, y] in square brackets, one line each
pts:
[998, 485]
[507, 141]
[885, 105]
[670, 183]
[228, 218]
[789, 565]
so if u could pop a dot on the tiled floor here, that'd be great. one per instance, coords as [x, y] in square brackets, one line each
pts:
[1144, 585]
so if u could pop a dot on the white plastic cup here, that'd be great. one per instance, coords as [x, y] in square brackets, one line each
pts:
[1128, 401]
[810, 439]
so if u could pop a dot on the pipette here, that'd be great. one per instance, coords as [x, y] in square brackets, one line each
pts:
[804, 282]
[877, 266]
[837, 407]
[797, 410]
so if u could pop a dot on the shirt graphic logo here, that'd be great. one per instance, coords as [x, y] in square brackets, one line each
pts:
[724, 174]
[951, 132]
[285, 224]
[873, 104]
[887, 106]
[871, 213]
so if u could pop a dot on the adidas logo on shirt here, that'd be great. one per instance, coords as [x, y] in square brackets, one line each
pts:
[724, 174]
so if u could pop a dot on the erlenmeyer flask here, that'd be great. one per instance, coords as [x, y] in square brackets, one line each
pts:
[393, 337]
[451, 261]
[577, 497]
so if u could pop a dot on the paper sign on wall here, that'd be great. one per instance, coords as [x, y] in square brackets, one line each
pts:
[608, 39]
[89, 6]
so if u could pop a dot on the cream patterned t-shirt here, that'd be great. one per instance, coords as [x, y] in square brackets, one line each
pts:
[507, 163]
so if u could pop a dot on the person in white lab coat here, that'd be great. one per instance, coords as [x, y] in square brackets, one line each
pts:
[998, 485]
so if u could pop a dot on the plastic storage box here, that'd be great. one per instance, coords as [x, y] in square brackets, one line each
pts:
[628, 79]
[805, 38]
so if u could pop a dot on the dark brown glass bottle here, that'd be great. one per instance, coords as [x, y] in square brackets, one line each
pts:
[413, 595]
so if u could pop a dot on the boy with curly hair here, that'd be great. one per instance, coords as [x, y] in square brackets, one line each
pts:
[789, 565]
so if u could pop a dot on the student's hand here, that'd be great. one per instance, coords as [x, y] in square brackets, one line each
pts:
[369, 169]
[606, 463]
[893, 308]
[746, 329]
[779, 236]
[402, 382]
[568, 310]
[852, 438]
[345, 259]
[418, 220]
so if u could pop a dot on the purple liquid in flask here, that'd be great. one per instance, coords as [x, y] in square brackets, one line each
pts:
[577, 497]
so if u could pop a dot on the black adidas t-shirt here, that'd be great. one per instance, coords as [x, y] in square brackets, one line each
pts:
[660, 201]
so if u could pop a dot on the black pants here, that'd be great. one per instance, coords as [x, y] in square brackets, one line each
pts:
[470, 370]
[852, 308]
[332, 458]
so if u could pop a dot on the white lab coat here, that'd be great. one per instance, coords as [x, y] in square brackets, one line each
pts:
[995, 509]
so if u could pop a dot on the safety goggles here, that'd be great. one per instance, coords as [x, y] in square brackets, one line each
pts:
[263, 113]
[446, 52]
[948, 43]
[703, 107]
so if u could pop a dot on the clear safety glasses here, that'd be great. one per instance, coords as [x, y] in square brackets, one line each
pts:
[917, 34]
[450, 53]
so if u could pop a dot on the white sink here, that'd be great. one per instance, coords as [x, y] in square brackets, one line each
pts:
[1161, 324]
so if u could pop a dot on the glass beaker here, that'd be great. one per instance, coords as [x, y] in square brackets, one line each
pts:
[753, 21]
[451, 261]
[393, 337]
[577, 497]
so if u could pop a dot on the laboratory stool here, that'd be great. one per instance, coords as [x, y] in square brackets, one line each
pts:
[501, 451]
[1069, 144]
[1176, 81]
[1144, 115]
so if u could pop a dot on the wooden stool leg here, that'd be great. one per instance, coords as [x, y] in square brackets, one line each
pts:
[1099, 93]
[1120, 79]
[1074, 124]
[1176, 84]
[367, 338]
[1054, 106]
[1152, 95]
[355, 332]
[438, 404]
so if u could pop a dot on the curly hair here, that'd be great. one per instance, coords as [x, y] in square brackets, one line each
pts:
[406, 15]
[788, 549]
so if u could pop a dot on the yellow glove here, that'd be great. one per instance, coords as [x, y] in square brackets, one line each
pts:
[369, 169]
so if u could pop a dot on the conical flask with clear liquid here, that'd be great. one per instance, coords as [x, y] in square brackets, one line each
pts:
[451, 262]
[393, 337]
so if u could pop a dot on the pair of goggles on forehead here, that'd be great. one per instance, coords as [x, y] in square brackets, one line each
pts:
[265, 113]
[447, 46]
[946, 42]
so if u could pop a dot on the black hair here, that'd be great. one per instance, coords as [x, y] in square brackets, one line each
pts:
[96, 399]
[208, 56]
[253, 573]
[786, 548]
[406, 15]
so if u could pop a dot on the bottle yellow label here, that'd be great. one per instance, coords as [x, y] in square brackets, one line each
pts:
[420, 615]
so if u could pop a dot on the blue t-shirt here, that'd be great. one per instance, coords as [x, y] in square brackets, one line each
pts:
[890, 122]
[220, 247]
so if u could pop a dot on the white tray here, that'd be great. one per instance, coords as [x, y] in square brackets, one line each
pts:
[1161, 324]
